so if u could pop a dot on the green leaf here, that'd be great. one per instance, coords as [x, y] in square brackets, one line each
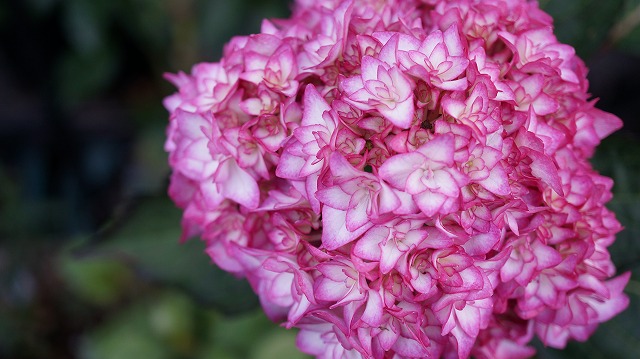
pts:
[278, 344]
[146, 237]
[99, 281]
[238, 335]
[79, 76]
[128, 335]
[172, 319]
[625, 33]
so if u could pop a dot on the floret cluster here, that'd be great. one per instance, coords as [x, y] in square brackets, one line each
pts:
[403, 178]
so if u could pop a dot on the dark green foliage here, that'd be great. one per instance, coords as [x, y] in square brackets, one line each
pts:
[146, 238]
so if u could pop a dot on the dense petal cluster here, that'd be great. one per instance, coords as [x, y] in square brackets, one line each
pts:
[403, 178]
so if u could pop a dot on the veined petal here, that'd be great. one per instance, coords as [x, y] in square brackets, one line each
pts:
[388, 199]
[373, 311]
[452, 39]
[544, 168]
[439, 149]
[429, 202]
[497, 181]
[334, 230]
[352, 84]
[402, 115]
[368, 247]
[389, 257]
[314, 107]
[397, 169]
[237, 184]
[334, 197]
[370, 67]
[357, 216]
[469, 319]
[454, 85]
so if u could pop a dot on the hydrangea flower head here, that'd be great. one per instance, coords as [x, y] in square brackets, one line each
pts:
[403, 178]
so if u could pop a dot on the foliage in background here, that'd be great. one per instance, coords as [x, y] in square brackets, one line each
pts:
[82, 129]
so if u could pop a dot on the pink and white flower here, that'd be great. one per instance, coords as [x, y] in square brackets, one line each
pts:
[383, 88]
[403, 179]
[429, 174]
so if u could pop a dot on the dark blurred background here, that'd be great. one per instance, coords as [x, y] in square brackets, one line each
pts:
[90, 266]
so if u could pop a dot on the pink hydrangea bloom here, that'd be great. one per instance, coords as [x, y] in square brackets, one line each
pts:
[403, 179]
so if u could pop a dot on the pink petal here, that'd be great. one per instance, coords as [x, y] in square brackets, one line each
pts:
[423, 283]
[373, 311]
[532, 85]
[544, 105]
[547, 257]
[286, 61]
[440, 148]
[334, 231]
[370, 67]
[482, 243]
[334, 197]
[452, 40]
[388, 338]
[618, 301]
[329, 290]
[402, 115]
[388, 199]
[605, 123]
[289, 166]
[446, 184]
[357, 216]
[430, 42]
[237, 184]
[352, 85]
[455, 108]
[314, 107]
[469, 319]
[368, 247]
[497, 181]
[454, 85]
[342, 169]
[429, 202]
[543, 168]
[389, 257]
[388, 51]
[414, 182]
[397, 169]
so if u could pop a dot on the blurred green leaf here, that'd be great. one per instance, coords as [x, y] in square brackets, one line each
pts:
[79, 76]
[278, 344]
[127, 336]
[240, 334]
[249, 336]
[173, 320]
[85, 24]
[148, 22]
[147, 239]
[625, 34]
[100, 281]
